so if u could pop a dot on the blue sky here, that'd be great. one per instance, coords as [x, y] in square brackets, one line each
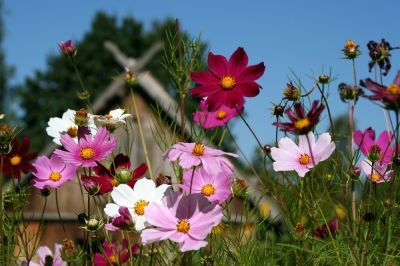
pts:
[303, 36]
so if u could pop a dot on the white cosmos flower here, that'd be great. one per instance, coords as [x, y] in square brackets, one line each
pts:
[136, 200]
[66, 124]
[1, 116]
[115, 117]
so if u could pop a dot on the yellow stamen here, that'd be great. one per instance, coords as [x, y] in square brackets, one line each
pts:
[227, 82]
[376, 177]
[72, 132]
[304, 159]
[208, 190]
[114, 182]
[221, 114]
[15, 160]
[302, 123]
[108, 116]
[198, 149]
[55, 176]
[139, 207]
[87, 153]
[350, 45]
[183, 226]
[393, 89]
[113, 259]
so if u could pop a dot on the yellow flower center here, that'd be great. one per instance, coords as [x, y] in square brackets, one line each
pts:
[108, 116]
[139, 207]
[208, 190]
[113, 259]
[221, 114]
[87, 153]
[393, 89]
[375, 177]
[198, 149]
[55, 176]
[227, 82]
[350, 45]
[183, 226]
[114, 182]
[15, 160]
[302, 123]
[304, 159]
[72, 132]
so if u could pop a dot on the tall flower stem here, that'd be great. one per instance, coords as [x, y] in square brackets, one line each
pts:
[329, 111]
[78, 75]
[191, 181]
[351, 147]
[251, 130]
[146, 154]
[59, 214]
[2, 249]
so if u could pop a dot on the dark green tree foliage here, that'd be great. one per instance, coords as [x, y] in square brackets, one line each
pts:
[50, 92]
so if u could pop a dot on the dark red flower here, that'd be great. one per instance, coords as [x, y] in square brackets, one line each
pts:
[227, 82]
[119, 173]
[113, 254]
[389, 95]
[323, 231]
[18, 160]
[380, 55]
[302, 123]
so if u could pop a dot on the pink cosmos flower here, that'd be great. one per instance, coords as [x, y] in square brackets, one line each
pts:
[46, 257]
[51, 173]
[366, 140]
[220, 117]
[227, 82]
[379, 173]
[217, 188]
[195, 154]
[113, 254]
[122, 221]
[186, 220]
[88, 150]
[300, 158]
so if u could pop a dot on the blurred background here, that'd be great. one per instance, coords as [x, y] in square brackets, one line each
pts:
[300, 37]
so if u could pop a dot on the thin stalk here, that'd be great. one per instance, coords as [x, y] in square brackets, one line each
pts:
[191, 181]
[1, 209]
[222, 137]
[329, 111]
[81, 189]
[351, 147]
[78, 75]
[59, 214]
[146, 154]
[251, 130]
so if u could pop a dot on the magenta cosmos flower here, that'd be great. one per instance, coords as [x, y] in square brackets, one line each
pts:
[195, 154]
[366, 141]
[88, 150]
[217, 188]
[389, 95]
[300, 122]
[220, 117]
[113, 254]
[289, 156]
[227, 82]
[46, 257]
[67, 47]
[379, 173]
[51, 173]
[186, 220]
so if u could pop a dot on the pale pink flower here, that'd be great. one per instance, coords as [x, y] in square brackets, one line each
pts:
[186, 220]
[289, 156]
[88, 150]
[46, 256]
[196, 154]
[67, 47]
[217, 188]
[379, 173]
[51, 173]
[212, 119]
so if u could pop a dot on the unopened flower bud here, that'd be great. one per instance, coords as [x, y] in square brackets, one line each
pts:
[130, 77]
[123, 174]
[90, 186]
[350, 49]
[340, 212]
[355, 172]
[291, 92]
[81, 117]
[67, 48]
[375, 153]
[6, 137]
[299, 231]
[240, 187]
[324, 79]
[267, 148]
[163, 179]
[347, 92]
[45, 192]
[278, 110]
[92, 225]
[84, 95]
[396, 159]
